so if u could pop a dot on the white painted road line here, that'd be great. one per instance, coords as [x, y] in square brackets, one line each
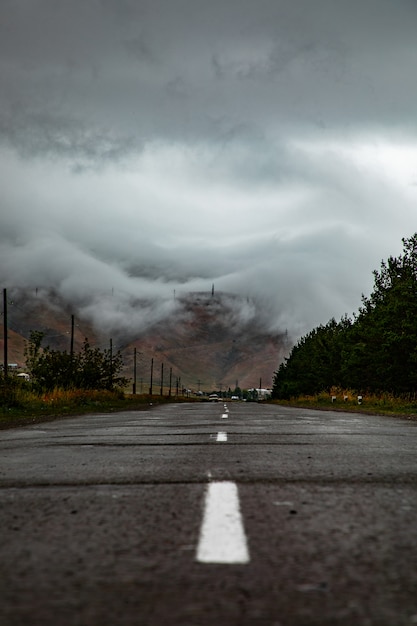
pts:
[225, 416]
[221, 437]
[222, 536]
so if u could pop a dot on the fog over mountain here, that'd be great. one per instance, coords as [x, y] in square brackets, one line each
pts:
[153, 148]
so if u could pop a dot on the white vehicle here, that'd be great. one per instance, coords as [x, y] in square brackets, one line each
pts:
[213, 397]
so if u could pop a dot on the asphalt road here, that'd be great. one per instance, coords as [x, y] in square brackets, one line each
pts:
[103, 519]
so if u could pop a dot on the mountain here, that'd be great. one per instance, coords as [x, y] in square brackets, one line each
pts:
[208, 341]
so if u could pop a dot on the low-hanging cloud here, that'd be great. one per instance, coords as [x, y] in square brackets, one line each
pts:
[156, 149]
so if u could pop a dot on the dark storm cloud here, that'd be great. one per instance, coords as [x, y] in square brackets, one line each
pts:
[158, 146]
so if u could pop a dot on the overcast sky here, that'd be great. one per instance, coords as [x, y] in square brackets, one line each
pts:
[148, 147]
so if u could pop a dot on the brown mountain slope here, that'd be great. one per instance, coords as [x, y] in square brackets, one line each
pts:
[210, 347]
[15, 348]
[211, 342]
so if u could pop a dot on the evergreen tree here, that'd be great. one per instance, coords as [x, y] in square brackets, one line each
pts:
[377, 351]
[383, 354]
[314, 362]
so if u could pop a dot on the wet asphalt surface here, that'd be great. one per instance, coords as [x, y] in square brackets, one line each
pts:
[100, 518]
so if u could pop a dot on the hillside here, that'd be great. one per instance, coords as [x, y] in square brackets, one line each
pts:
[210, 342]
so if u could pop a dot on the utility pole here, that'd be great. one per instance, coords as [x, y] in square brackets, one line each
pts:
[5, 354]
[134, 371]
[111, 363]
[162, 380]
[170, 381]
[72, 337]
[150, 388]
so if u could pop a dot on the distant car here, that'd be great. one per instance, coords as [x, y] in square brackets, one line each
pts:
[235, 398]
[24, 376]
[213, 397]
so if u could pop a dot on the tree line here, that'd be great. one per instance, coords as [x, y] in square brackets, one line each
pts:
[374, 351]
[91, 368]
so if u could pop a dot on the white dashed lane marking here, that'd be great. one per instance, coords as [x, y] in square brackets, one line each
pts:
[222, 536]
[221, 437]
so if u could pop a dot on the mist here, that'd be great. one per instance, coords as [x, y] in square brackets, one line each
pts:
[150, 150]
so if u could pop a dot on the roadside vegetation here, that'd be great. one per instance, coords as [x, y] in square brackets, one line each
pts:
[20, 405]
[347, 400]
[373, 354]
[90, 369]
[63, 383]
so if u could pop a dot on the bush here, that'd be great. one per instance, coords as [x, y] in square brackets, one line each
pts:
[13, 390]
[92, 368]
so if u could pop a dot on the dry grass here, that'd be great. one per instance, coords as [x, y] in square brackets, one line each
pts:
[22, 406]
[348, 400]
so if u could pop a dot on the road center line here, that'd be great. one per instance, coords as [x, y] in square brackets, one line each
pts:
[225, 416]
[221, 437]
[222, 536]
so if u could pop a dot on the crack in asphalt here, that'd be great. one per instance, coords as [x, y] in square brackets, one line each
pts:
[387, 481]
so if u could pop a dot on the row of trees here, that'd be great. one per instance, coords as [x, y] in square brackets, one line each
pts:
[375, 351]
[91, 368]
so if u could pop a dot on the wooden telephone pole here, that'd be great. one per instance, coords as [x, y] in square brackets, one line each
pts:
[5, 344]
